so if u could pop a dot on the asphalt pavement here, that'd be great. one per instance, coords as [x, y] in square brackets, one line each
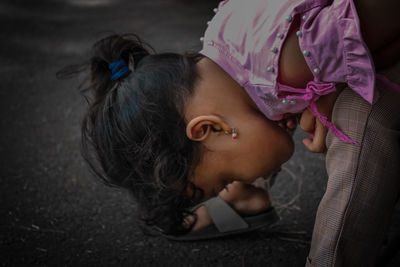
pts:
[53, 211]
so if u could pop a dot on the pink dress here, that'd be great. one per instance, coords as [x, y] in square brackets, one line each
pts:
[245, 38]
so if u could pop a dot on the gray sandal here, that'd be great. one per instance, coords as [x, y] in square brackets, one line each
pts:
[227, 221]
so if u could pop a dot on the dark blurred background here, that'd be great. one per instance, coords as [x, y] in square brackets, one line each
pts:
[53, 211]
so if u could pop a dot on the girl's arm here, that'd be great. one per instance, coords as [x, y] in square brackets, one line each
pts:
[294, 71]
[381, 32]
[314, 127]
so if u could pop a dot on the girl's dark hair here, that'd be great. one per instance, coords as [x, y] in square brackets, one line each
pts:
[137, 129]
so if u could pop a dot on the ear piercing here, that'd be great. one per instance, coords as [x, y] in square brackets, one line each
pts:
[233, 132]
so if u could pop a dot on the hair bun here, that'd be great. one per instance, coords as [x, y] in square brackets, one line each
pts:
[128, 47]
[111, 49]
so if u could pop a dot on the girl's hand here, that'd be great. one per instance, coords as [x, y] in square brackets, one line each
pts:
[314, 127]
[289, 123]
[317, 131]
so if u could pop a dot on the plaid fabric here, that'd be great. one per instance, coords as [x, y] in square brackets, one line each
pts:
[364, 181]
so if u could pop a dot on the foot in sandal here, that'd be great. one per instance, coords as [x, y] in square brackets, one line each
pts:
[238, 209]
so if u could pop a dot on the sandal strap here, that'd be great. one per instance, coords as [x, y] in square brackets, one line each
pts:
[225, 218]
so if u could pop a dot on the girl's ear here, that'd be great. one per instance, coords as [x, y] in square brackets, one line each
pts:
[200, 128]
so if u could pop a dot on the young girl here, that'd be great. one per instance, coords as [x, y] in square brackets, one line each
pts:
[177, 129]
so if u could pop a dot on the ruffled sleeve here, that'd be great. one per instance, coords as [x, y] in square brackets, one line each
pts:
[338, 52]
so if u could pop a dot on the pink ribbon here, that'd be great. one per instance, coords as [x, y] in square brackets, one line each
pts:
[339, 134]
[388, 83]
[310, 94]
[312, 91]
